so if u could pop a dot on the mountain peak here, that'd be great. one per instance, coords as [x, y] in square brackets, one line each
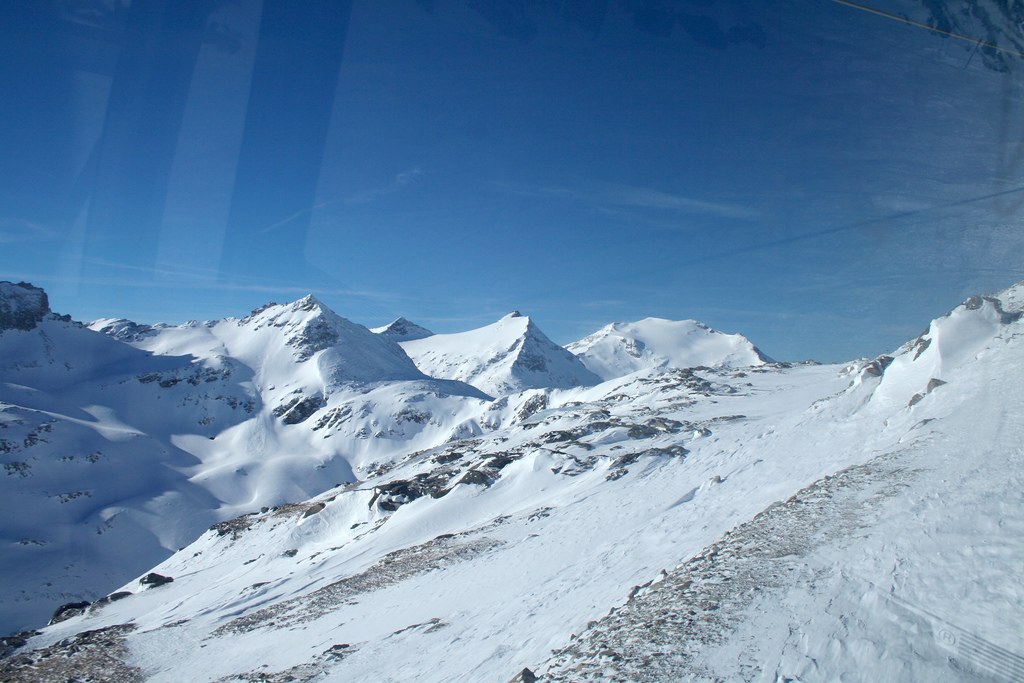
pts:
[619, 349]
[402, 329]
[507, 356]
[513, 314]
[307, 303]
[22, 305]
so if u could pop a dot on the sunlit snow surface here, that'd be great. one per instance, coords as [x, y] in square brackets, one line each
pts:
[858, 522]
[116, 455]
[654, 343]
[509, 355]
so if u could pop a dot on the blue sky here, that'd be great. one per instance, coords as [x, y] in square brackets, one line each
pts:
[820, 178]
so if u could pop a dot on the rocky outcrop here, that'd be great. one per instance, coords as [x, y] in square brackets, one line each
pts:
[299, 408]
[153, 579]
[22, 306]
[68, 610]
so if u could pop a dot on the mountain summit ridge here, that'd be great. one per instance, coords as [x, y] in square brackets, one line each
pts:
[510, 355]
[621, 348]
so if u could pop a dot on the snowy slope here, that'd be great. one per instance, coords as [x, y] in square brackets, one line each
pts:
[504, 357]
[116, 454]
[326, 377]
[779, 523]
[96, 485]
[621, 348]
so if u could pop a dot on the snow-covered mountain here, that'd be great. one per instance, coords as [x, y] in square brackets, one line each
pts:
[773, 522]
[505, 357]
[618, 349]
[120, 447]
[400, 330]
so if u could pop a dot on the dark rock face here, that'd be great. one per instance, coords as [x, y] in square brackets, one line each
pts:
[154, 579]
[299, 408]
[531, 406]
[1006, 318]
[478, 477]
[394, 494]
[878, 366]
[314, 509]
[67, 610]
[113, 597]
[22, 306]
[8, 644]
[524, 676]
[317, 335]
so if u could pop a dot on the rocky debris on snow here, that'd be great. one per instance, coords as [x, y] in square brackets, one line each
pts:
[313, 670]
[665, 624]
[429, 626]
[276, 514]
[10, 644]
[193, 375]
[22, 469]
[394, 567]
[97, 655]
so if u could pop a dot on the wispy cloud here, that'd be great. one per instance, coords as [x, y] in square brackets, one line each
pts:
[401, 180]
[299, 214]
[646, 198]
[617, 196]
[396, 184]
[192, 278]
[14, 230]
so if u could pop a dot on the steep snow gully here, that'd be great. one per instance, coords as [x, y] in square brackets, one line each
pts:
[659, 502]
